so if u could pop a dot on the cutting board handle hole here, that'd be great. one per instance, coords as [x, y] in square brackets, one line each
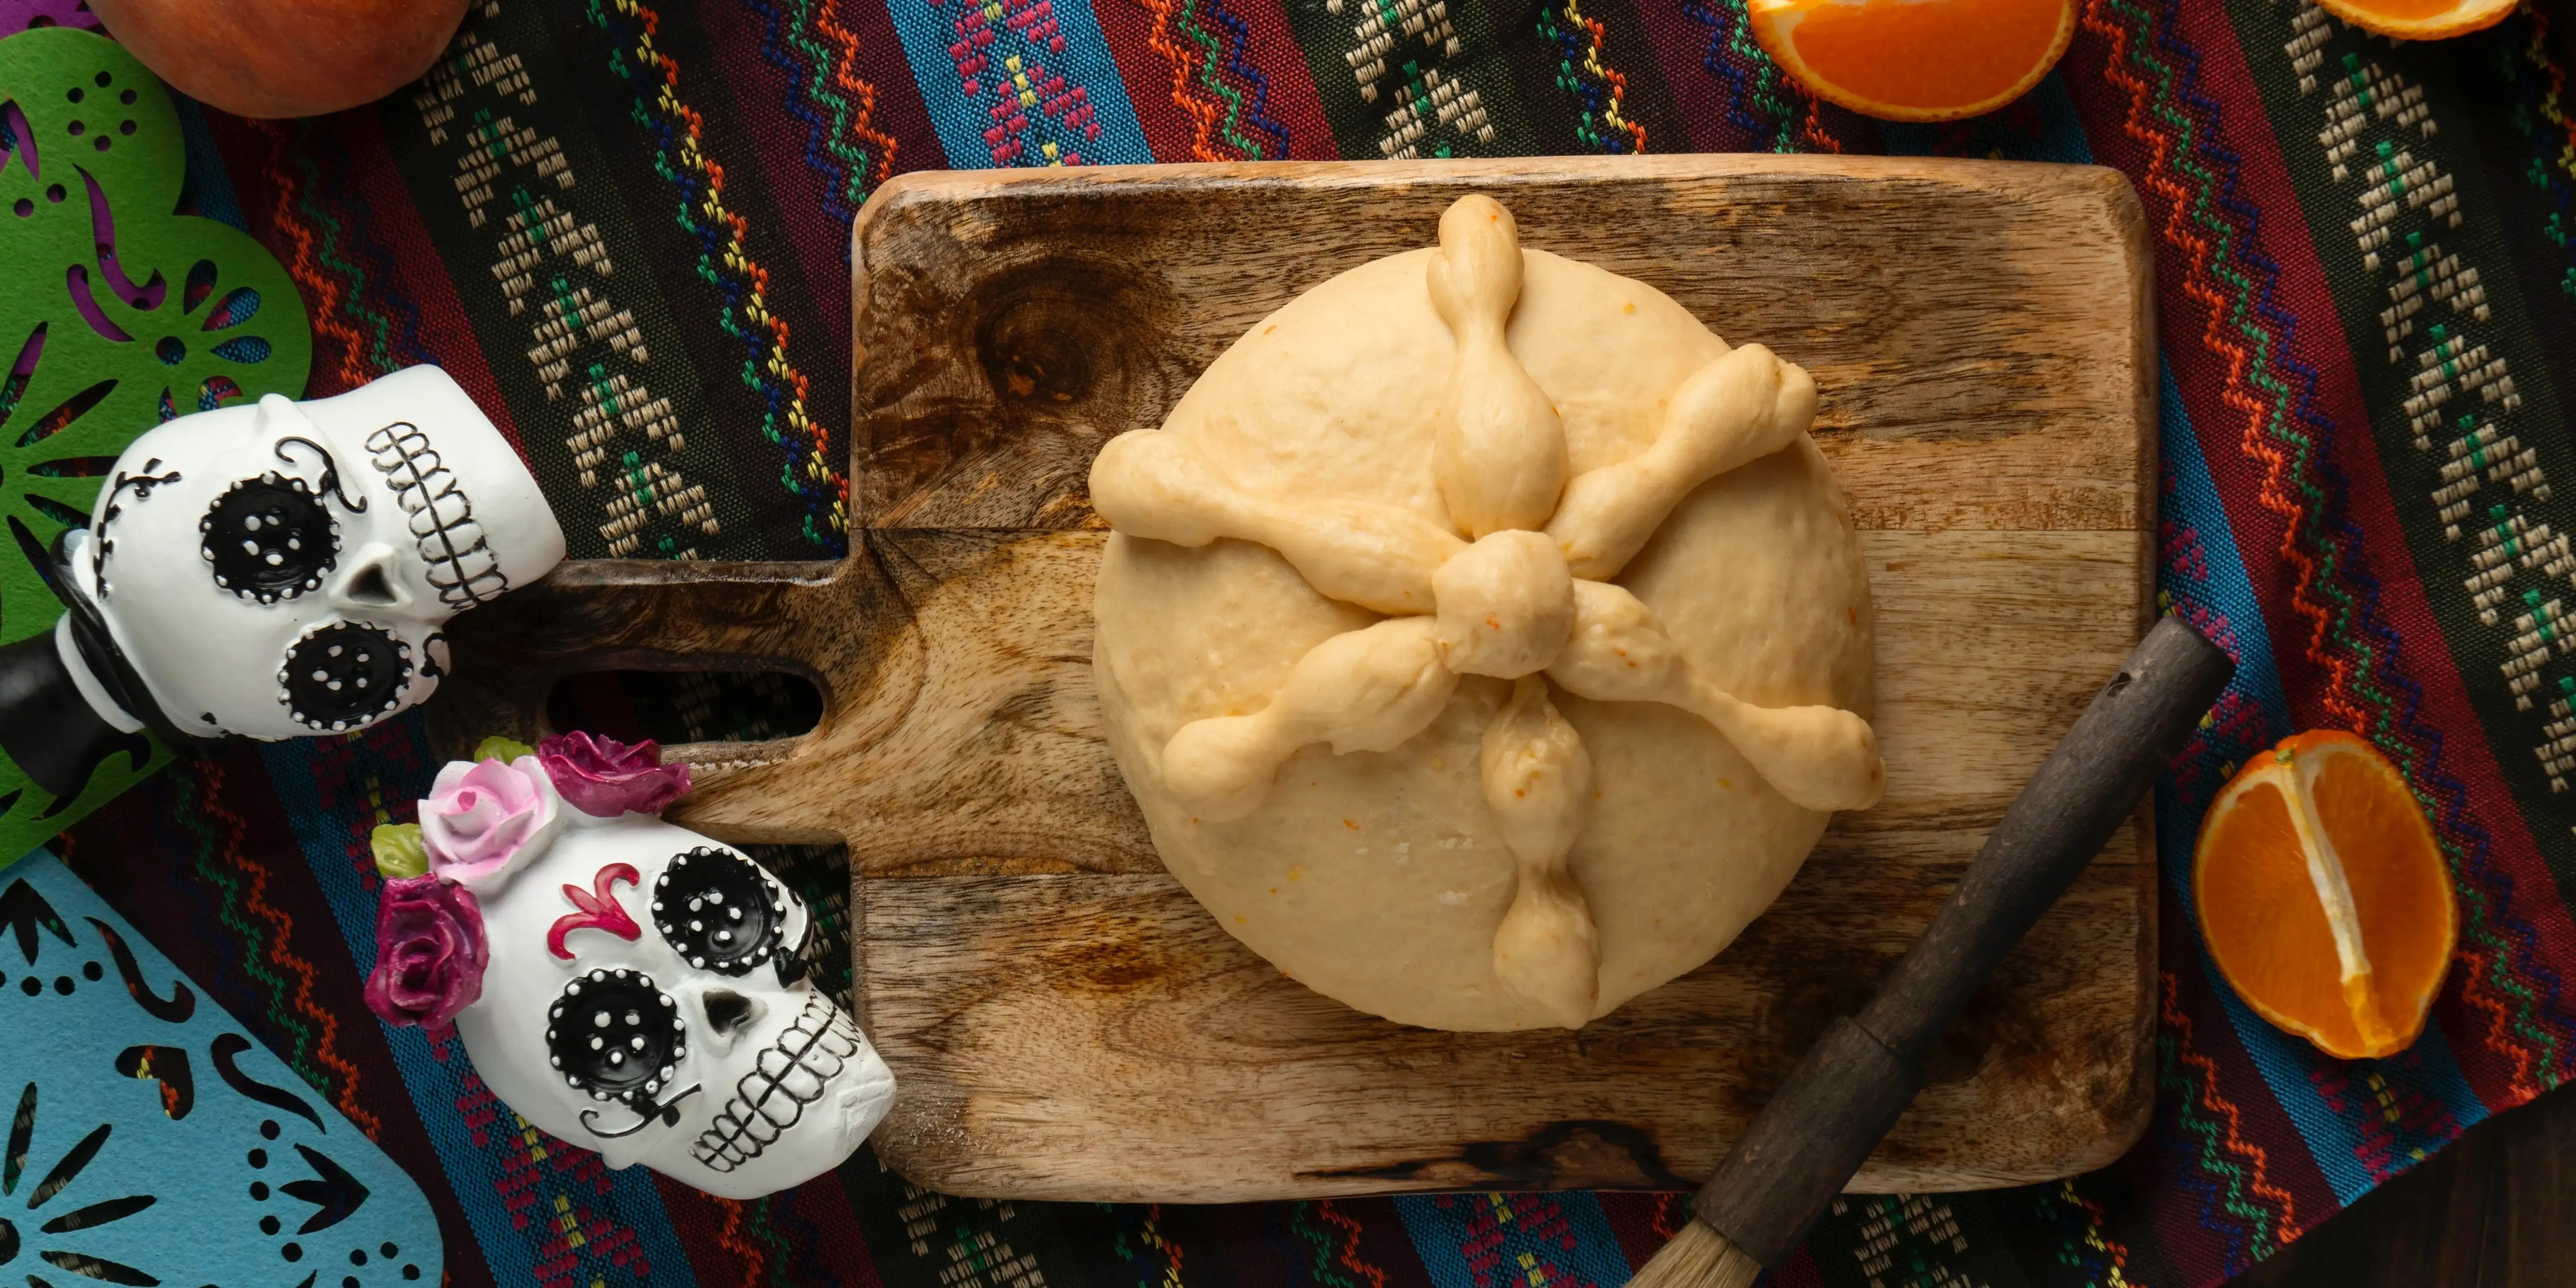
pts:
[672, 707]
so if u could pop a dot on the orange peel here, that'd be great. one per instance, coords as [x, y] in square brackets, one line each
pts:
[2324, 897]
[2420, 19]
[1915, 60]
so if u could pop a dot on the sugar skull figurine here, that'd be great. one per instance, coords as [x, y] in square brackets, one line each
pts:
[325, 545]
[275, 570]
[622, 983]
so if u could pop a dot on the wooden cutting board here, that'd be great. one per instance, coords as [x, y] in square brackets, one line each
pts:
[1065, 1022]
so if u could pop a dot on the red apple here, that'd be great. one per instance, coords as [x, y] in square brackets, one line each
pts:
[284, 57]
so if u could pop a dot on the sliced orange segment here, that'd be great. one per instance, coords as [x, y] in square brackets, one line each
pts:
[2420, 19]
[1916, 60]
[2323, 896]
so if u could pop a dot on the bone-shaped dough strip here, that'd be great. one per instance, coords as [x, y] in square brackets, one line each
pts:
[1149, 483]
[1736, 410]
[1499, 455]
[1821, 758]
[1364, 690]
[1538, 783]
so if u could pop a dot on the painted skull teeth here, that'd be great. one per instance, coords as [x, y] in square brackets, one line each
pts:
[344, 675]
[786, 1078]
[462, 564]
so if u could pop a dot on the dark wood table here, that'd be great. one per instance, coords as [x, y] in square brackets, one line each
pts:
[2495, 1210]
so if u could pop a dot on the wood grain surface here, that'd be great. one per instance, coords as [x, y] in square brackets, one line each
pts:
[1065, 1022]
[2495, 1209]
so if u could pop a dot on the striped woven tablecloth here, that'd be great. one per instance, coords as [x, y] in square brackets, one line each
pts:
[622, 224]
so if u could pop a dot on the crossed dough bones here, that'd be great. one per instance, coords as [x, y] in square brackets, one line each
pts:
[1527, 595]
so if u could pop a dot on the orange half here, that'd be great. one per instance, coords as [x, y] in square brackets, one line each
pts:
[2323, 896]
[2420, 19]
[1916, 60]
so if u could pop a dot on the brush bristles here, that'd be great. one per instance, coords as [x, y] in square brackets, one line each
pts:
[1698, 1257]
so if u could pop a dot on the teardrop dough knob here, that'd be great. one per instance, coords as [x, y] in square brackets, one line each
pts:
[1500, 453]
[1538, 783]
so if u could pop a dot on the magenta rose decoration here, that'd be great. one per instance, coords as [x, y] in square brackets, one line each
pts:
[483, 819]
[430, 952]
[606, 778]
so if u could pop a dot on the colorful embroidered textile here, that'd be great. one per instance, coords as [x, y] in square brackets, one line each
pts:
[622, 224]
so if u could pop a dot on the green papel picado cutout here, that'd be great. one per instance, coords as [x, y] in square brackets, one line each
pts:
[116, 314]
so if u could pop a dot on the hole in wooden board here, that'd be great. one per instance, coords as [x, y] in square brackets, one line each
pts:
[686, 706]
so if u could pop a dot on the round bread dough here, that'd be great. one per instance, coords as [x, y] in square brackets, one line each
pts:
[1381, 877]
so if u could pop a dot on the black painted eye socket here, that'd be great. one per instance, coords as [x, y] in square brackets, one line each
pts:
[343, 675]
[269, 538]
[615, 1036]
[719, 911]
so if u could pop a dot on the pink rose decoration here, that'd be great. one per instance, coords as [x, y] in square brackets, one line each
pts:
[483, 818]
[430, 952]
[606, 778]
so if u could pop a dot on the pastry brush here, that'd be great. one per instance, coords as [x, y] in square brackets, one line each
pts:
[1849, 1088]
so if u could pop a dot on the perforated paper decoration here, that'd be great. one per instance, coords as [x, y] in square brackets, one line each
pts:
[152, 1141]
[19, 15]
[115, 315]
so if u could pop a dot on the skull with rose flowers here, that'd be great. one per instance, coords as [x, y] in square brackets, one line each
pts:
[649, 991]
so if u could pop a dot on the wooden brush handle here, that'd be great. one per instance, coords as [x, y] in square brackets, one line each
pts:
[1849, 1088]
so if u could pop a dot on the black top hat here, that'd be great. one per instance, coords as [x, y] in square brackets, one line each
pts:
[46, 724]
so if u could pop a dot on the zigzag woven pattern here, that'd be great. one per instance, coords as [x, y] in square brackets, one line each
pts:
[622, 224]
